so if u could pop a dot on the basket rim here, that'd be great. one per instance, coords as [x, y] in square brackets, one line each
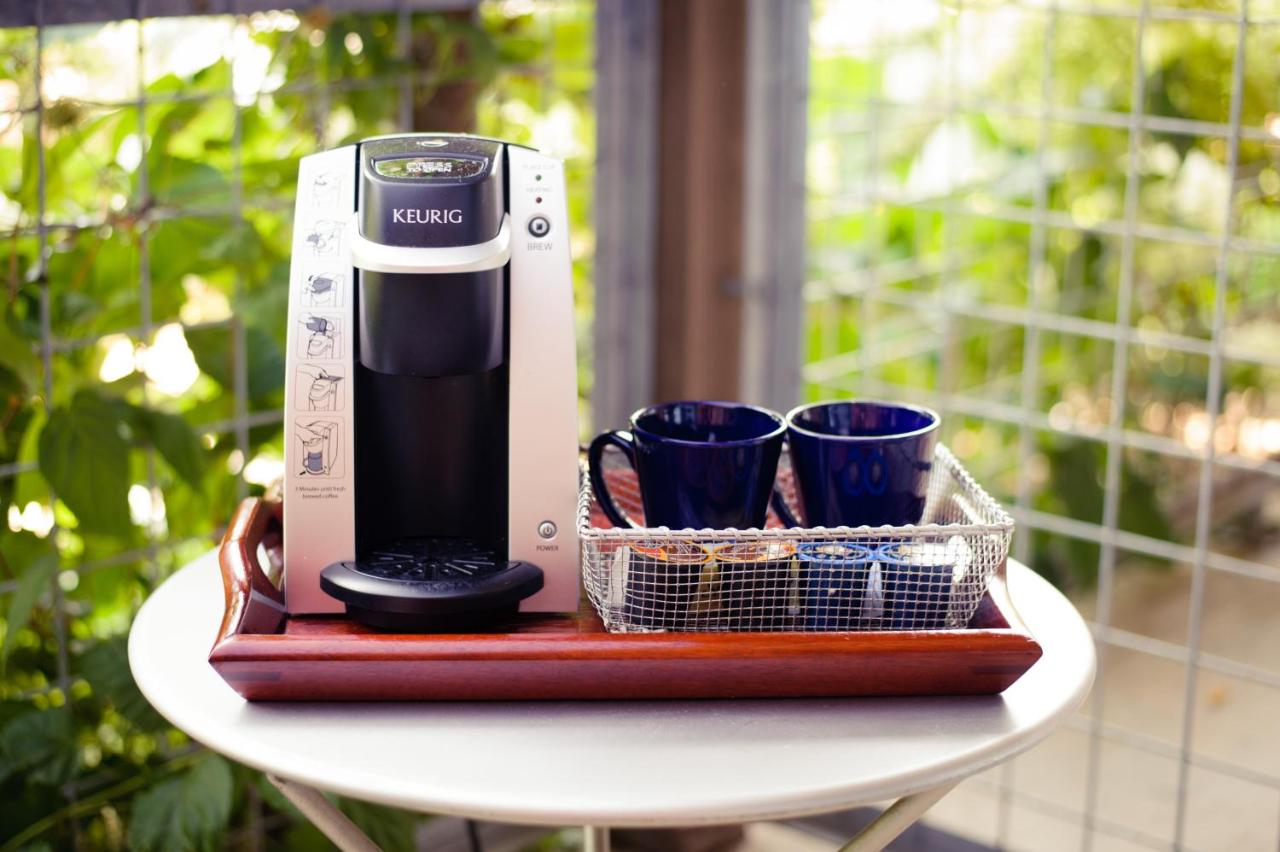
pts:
[1002, 525]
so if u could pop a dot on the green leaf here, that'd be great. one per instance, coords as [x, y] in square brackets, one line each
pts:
[40, 743]
[174, 439]
[181, 247]
[188, 812]
[18, 354]
[212, 350]
[31, 485]
[35, 579]
[106, 668]
[19, 551]
[85, 457]
[18, 411]
[179, 181]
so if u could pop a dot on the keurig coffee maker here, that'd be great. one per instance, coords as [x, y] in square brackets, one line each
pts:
[436, 488]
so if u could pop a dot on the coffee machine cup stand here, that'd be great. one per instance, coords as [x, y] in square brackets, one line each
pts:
[436, 490]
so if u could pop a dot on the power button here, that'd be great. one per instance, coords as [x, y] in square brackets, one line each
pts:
[538, 226]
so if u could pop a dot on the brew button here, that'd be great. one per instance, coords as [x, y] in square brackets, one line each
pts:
[547, 529]
[539, 226]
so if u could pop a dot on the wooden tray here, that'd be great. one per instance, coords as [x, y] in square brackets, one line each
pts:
[266, 655]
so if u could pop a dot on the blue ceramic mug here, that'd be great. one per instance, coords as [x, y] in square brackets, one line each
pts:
[699, 464]
[859, 463]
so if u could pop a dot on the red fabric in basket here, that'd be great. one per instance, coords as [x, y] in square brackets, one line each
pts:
[625, 488]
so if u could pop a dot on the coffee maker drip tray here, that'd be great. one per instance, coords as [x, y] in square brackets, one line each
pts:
[431, 585]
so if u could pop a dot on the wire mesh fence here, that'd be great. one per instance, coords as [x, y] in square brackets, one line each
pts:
[1065, 220]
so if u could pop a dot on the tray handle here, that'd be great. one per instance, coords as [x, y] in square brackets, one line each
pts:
[254, 602]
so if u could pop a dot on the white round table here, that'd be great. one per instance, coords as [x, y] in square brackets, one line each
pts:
[648, 763]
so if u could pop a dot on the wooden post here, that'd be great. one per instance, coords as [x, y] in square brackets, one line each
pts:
[773, 220]
[450, 106]
[702, 108]
[628, 54]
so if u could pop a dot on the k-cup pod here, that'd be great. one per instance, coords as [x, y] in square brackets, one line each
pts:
[756, 585]
[918, 582]
[661, 582]
[833, 584]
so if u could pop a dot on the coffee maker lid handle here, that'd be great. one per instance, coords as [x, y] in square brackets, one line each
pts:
[376, 257]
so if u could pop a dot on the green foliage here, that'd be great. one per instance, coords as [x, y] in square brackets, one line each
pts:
[84, 454]
[215, 353]
[188, 812]
[40, 745]
[104, 666]
[35, 579]
[19, 359]
[173, 438]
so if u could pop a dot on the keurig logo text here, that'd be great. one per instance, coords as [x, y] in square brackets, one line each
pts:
[415, 216]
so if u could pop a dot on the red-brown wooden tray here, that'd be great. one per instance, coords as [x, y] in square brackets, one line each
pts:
[267, 655]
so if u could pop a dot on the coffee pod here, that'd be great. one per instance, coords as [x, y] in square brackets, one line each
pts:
[756, 585]
[918, 581]
[833, 584]
[661, 582]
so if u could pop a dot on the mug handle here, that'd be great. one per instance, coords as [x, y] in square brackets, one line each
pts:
[779, 503]
[782, 510]
[626, 442]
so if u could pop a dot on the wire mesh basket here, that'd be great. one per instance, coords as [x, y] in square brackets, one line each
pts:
[929, 576]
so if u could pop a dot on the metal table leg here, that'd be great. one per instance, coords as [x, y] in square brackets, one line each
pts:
[896, 819]
[348, 837]
[324, 815]
[595, 839]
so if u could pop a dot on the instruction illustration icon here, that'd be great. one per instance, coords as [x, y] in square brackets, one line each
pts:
[323, 290]
[326, 189]
[319, 448]
[319, 388]
[324, 238]
[321, 337]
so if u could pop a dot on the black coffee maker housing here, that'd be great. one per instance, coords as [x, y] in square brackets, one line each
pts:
[430, 383]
